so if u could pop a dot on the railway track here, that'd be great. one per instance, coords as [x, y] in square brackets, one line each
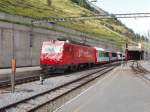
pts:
[6, 83]
[35, 102]
[140, 70]
[27, 79]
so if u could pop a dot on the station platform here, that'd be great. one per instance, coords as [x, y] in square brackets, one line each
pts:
[23, 71]
[120, 91]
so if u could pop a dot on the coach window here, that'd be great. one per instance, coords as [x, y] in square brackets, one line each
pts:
[107, 54]
[100, 54]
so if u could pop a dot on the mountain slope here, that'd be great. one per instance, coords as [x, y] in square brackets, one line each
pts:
[63, 8]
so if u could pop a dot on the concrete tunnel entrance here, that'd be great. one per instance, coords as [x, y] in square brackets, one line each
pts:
[135, 55]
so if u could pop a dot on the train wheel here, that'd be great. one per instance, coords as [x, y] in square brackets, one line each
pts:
[73, 68]
[89, 65]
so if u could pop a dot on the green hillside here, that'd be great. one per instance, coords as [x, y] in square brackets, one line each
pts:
[104, 29]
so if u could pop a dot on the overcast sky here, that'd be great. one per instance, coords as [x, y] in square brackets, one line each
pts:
[139, 25]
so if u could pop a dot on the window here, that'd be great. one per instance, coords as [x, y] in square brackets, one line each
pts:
[51, 49]
[107, 54]
[114, 55]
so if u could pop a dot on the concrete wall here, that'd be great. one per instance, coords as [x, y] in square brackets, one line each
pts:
[28, 41]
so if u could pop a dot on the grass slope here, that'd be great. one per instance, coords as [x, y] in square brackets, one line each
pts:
[64, 8]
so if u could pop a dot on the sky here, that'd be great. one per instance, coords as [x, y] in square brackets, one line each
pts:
[139, 25]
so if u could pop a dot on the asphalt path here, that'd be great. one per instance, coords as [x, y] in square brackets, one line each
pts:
[119, 91]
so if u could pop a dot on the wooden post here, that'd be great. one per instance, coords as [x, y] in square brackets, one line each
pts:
[13, 66]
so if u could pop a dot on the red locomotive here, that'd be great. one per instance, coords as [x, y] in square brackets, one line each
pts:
[64, 55]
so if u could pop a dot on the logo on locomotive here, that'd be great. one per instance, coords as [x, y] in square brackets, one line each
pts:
[83, 53]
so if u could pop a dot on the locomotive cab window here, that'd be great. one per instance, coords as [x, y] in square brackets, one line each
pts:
[51, 49]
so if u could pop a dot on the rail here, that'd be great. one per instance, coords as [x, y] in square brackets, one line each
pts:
[56, 92]
[27, 79]
[139, 70]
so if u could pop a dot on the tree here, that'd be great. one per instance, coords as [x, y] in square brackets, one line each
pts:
[49, 2]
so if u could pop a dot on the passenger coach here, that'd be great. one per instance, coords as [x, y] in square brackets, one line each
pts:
[102, 56]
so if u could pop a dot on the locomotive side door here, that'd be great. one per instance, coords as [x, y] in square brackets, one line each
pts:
[68, 54]
[73, 54]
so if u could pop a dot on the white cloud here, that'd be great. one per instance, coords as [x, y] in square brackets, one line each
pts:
[139, 25]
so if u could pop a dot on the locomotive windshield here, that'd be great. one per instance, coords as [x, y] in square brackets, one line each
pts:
[52, 49]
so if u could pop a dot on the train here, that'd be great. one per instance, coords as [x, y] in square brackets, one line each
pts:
[66, 55]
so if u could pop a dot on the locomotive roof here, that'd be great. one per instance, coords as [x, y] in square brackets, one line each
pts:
[53, 42]
[72, 42]
[63, 42]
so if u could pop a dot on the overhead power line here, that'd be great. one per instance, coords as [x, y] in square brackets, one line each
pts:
[107, 16]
